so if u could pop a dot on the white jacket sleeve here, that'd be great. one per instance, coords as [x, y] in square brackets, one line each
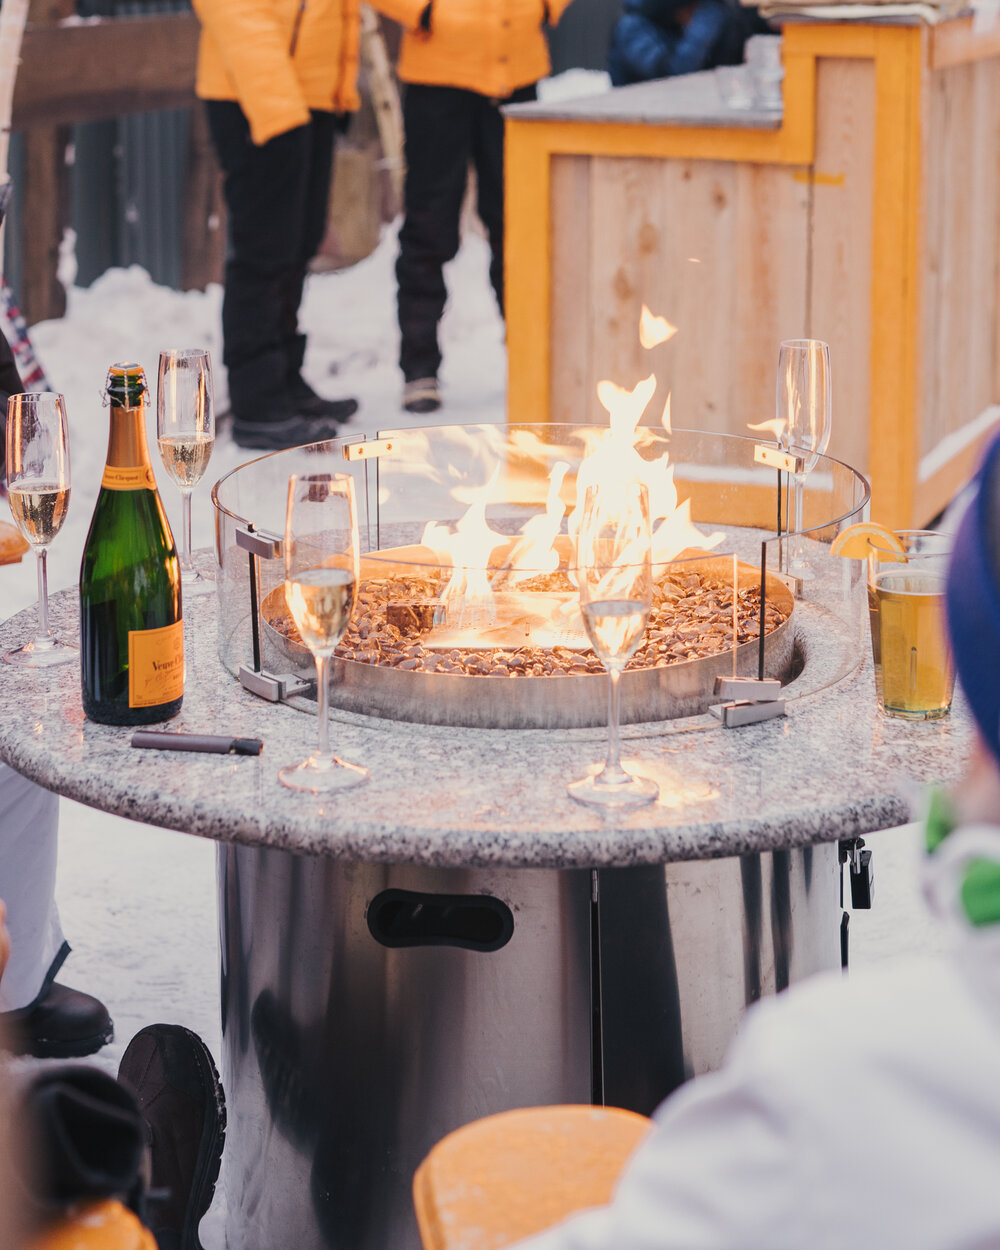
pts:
[724, 1169]
[859, 1111]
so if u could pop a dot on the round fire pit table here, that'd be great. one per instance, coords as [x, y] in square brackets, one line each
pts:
[458, 936]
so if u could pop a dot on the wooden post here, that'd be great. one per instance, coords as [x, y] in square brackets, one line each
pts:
[203, 237]
[45, 198]
[385, 100]
[45, 215]
[13, 15]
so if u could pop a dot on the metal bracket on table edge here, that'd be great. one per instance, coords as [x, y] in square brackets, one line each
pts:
[370, 449]
[759, 690]
[778, 458]
[274, 687]
[270, 686]
[747, 712]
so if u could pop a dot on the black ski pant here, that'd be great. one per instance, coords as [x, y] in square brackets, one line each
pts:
[446, 130]
[277, 195]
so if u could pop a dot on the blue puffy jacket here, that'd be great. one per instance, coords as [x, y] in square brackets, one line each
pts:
[650, 40]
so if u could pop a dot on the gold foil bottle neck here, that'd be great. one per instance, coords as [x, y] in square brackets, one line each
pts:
[128, 466]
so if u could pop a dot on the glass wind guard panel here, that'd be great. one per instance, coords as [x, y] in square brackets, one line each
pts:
[516, 480]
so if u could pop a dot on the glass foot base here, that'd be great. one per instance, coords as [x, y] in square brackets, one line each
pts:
[898, 713]
[43, 653]
[195, 583]
[634, 791]
[321, 776]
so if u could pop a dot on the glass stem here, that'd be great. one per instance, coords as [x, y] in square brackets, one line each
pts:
[186, 529]
[612, 773]
[323, 753]
[795, 544]
[44, 632]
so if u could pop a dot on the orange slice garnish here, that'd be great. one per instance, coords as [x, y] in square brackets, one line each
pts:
[857, 542]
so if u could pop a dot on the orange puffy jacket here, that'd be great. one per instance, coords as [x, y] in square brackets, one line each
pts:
[279, 58]
[96, 1226]
[489, 46]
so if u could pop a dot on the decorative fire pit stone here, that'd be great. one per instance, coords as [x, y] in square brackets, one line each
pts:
[447, 608]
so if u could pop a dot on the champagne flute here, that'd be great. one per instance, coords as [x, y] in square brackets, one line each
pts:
[804, 405]
[185, 435]
[321, 579]
[38, 491]
[615, 578]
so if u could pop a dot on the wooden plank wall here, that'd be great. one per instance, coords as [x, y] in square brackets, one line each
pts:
[737, 255]
[718, 248]
[841, 234]
[961, 365]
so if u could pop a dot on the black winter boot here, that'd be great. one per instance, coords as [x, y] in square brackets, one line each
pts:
[171, 1072]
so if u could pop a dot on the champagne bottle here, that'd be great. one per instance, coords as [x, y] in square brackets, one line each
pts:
[131, 632]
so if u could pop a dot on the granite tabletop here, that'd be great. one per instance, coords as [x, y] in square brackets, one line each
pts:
[833, 767]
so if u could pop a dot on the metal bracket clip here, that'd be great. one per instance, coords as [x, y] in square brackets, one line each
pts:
[747, 712]
[760, 690]
[268, 686]
[776, 458]
[261, 544]
[370, 449]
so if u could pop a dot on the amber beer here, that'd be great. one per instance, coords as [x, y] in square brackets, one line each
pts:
[913, 672]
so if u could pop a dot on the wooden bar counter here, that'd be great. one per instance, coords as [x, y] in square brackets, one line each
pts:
[866, 214]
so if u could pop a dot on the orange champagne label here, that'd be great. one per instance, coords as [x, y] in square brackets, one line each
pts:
[131, 477]
[155, 665]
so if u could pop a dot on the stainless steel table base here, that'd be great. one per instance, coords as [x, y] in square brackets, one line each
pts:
[370, 1009]
[686, 947]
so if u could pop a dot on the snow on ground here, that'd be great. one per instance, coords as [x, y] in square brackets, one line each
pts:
[138, 903]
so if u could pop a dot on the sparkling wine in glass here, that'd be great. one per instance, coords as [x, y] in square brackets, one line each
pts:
[185, 435]
[38, 491]
[615, 578]
[804, 405]
[321, 583]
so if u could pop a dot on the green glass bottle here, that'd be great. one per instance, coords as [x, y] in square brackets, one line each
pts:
[131, 632]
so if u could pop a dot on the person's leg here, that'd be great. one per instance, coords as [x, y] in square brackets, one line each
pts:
[29, 824]
[437, 122]
[488, 160]
[107, 1154]
[38, 1016]
[315, 213]
[265, 190]
[315, 208]
[172, 1074]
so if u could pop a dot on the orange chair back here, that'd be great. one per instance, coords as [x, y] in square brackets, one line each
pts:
[507, 1176]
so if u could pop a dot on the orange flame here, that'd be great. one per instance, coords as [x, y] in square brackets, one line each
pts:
[654, 330]
[535, 549]
[775, 426]
[612, 457]
[468, 550]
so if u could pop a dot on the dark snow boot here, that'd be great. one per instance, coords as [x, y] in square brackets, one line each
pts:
[171, 1072]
